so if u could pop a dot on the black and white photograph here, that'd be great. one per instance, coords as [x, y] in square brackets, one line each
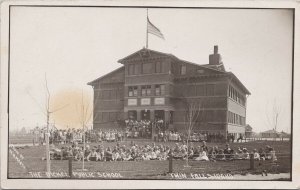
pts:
[178, 93]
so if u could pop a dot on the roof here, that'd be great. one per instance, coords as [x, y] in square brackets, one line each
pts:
[167, 55]
[239, 82]
[112, 72]
[206, 66]
[148, 50]
[270, 131]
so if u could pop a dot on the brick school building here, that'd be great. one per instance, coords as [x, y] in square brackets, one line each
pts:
[152, 85]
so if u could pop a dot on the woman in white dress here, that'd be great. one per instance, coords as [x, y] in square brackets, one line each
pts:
[202, 155]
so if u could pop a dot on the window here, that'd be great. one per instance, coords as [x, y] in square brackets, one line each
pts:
[159, 89]
[158, 67]
[200, 71]
[200, 90]
[171, 117]
[183, 70]
[112, 116]
[210, 89]
[146, 68]
[131, 69]
[146, 90]
[132, 91]
[113, 94]
[105, 116]
[106, 94]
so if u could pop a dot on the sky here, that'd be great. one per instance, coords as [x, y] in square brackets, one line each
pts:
[71, 46]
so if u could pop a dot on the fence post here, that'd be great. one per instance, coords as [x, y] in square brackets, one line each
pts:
[170, 162]
[251, 161]
[70, 167]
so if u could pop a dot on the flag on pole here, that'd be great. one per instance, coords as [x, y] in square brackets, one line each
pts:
[154, 30]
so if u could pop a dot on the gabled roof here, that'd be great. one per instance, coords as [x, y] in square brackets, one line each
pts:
[143, 50]
[161, 54]
[108, 74]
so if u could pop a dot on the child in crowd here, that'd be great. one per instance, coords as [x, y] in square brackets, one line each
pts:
[256, 155]
[239, 154]
[220, 156]
[245, 154]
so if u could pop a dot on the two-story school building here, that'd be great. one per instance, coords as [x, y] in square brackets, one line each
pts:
[154, 85]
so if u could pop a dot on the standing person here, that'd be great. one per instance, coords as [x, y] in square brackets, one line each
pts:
[204, 146]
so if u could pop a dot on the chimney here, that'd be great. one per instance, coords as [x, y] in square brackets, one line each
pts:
[215, 59]
[216, 49]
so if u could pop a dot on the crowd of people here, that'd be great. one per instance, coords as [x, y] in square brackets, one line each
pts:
[138, 129]
[181, 151]
[65, 136]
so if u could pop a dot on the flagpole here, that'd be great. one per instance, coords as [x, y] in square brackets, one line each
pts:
[147, 32]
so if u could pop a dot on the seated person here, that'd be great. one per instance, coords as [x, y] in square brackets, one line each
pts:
[262, 154]
[87, 153]
[227, 152]
[190, 152]
[267, 152]
[108, 154]
[239, 154]
[220, 156]
[231, 155]
[127, 156]
[245, 154]
[256, 155]
[100, 153]
[196, 152]
[94, 156]
[202, 155]
[55, 153]
[213, 153]
[64, 153]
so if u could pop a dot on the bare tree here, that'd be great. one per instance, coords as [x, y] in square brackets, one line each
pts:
[48, 114]
[85, 114]
[193, 113]
[193, 110]
[273, 117]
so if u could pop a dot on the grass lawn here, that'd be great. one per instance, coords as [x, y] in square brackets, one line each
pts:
[154, 169]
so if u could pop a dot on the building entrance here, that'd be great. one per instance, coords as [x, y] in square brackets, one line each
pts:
[159, 115]
[132, 114]
[145, 115]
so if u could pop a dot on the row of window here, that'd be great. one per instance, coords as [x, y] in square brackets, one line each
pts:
[235, 95]
[236, 119]
[203, 116]
[109, 94]
[145, 68]
[108, 116]
[196, 90]
[146, 90]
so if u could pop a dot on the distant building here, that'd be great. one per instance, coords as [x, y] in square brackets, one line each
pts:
[285, 135]
[154, 85]
[270, 134]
